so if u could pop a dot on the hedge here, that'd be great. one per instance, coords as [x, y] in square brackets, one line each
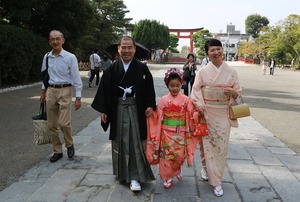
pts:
[21, 54]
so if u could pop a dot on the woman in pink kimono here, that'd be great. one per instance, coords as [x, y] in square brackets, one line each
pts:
[171, 132]
[216, 87]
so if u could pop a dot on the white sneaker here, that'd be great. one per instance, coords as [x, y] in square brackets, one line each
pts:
[218, 191]
[204, 174]
[135, 186]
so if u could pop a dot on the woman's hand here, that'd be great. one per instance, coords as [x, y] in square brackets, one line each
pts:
[231, 92]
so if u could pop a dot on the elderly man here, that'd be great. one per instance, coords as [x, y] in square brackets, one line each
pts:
[64, 74]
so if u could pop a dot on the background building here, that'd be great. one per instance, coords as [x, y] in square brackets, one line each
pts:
[231, 40]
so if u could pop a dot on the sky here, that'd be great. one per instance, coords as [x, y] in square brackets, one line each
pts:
[212, 15]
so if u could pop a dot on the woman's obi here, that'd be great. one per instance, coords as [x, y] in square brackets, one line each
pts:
[214, 95]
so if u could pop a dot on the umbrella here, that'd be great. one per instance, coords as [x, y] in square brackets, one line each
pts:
[141, 51]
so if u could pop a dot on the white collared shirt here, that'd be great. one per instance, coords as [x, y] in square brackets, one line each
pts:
[63, 69]
[95, 60]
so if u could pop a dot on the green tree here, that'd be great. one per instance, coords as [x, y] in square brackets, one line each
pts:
[289, 39]
[199, 39]
[152, 34]
[281, 42]
[108, 23]
[86, 24]
[254, 23]
[173, 43]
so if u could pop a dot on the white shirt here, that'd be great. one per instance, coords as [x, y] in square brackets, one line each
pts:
[204, 62]
[63, 69]
[126, 66]
[95, 60]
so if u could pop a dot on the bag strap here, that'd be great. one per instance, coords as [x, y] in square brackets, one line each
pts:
[43, 110]
[47, 66]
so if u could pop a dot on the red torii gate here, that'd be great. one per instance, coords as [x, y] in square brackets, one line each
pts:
[191, 31]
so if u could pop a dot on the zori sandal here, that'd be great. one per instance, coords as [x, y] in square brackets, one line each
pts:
[218, 191]
[168, 184]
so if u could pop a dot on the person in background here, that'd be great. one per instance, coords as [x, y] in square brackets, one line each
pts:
[64, 74]
[264, 66]
[190, 67]
[125, 97]
[105, 63]
[272, 65]
[95, 62]
[216, 87]
[204, 62]
[172, 125]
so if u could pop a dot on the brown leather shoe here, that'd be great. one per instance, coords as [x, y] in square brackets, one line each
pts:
[56, 157]
[71, 151]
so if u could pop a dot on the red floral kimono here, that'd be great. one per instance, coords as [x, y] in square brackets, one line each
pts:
[169, 140]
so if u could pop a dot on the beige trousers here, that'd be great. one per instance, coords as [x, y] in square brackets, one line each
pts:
[59, 116]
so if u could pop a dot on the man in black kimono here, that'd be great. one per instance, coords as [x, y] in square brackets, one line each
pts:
[124, 98]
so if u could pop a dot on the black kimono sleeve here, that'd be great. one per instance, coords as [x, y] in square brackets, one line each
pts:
[102, 100]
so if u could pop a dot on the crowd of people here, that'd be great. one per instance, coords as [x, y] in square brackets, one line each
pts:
[143, 132]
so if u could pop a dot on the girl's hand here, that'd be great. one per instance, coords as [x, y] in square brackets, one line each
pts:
[149, 111]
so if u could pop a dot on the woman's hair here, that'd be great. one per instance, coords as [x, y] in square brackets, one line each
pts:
[190, 54]
[212, 42]
[171, 74]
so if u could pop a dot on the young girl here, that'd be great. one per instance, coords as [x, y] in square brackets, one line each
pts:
[170, 133]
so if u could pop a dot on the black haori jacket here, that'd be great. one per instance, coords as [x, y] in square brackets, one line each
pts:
[106, 98]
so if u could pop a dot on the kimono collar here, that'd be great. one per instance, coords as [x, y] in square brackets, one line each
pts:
[218, 68]
[126, 66]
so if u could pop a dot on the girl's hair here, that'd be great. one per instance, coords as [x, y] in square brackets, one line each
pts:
[212, 42]
[171, 74]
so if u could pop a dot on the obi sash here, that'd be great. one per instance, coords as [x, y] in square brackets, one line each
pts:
[214, 95]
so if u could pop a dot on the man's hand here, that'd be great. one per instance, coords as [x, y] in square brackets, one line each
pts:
[77, 103]
[43, 96]
[103, 117]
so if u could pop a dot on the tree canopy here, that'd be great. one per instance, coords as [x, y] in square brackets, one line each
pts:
[151, 34]
[254, 23]
[86, 24]
[173, 43]
[281, 42]
[199, 38]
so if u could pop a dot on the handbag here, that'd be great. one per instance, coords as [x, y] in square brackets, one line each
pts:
[184, 85]
[41, 135]
[201, 127]
[186, 74]
[239, 111]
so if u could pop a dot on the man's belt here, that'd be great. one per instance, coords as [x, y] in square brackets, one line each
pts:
[60, 86]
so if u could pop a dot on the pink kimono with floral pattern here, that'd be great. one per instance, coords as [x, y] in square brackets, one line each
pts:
[169, 140]
[207, 95]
